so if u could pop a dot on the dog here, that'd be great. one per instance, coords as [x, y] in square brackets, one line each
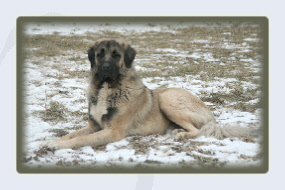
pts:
[120, 105]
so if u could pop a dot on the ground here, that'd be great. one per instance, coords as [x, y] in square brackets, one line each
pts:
[219, 62]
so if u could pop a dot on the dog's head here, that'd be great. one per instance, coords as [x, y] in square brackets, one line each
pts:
[110, 58]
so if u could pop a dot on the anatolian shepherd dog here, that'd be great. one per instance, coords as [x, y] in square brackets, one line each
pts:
[120, 105]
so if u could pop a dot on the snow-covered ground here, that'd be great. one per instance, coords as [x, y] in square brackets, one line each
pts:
[52, 83]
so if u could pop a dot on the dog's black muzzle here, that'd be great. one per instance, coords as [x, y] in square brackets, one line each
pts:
[108, 71]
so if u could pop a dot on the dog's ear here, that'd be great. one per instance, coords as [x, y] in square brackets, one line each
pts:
[91, 52]
[129, 56]
[91, 55]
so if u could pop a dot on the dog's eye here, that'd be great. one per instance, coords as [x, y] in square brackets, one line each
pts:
[116, 55]
[101, 53]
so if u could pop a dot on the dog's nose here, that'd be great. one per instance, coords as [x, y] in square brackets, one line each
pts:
[106, 66]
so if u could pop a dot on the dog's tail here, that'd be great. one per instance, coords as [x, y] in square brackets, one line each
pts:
[211, 129]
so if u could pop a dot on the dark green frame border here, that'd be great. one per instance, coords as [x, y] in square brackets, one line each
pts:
[262, 21]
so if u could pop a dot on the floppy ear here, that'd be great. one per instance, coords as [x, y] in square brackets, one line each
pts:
[129, 57]
[91, 56]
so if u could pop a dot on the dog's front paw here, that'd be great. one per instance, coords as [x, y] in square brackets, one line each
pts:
[55, 145]
[44, 144]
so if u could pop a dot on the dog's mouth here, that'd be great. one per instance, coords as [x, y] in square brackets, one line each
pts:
[108, 77]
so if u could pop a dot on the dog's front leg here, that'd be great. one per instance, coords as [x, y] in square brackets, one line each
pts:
[96, 139]
[91, 128]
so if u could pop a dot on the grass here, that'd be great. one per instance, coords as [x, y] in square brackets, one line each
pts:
[59, 132]
[55, 111]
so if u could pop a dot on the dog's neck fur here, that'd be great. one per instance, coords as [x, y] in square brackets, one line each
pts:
[116, 90]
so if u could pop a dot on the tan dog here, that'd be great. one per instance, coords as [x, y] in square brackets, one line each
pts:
[120, 105]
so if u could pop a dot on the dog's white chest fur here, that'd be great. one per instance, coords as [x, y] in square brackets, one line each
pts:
[102, 104]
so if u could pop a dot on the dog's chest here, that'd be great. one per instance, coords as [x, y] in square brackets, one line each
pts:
[98, 109]
[108, 102]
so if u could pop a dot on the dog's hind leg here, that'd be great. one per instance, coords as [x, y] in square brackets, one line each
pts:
[188, 131]
[186, 110]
